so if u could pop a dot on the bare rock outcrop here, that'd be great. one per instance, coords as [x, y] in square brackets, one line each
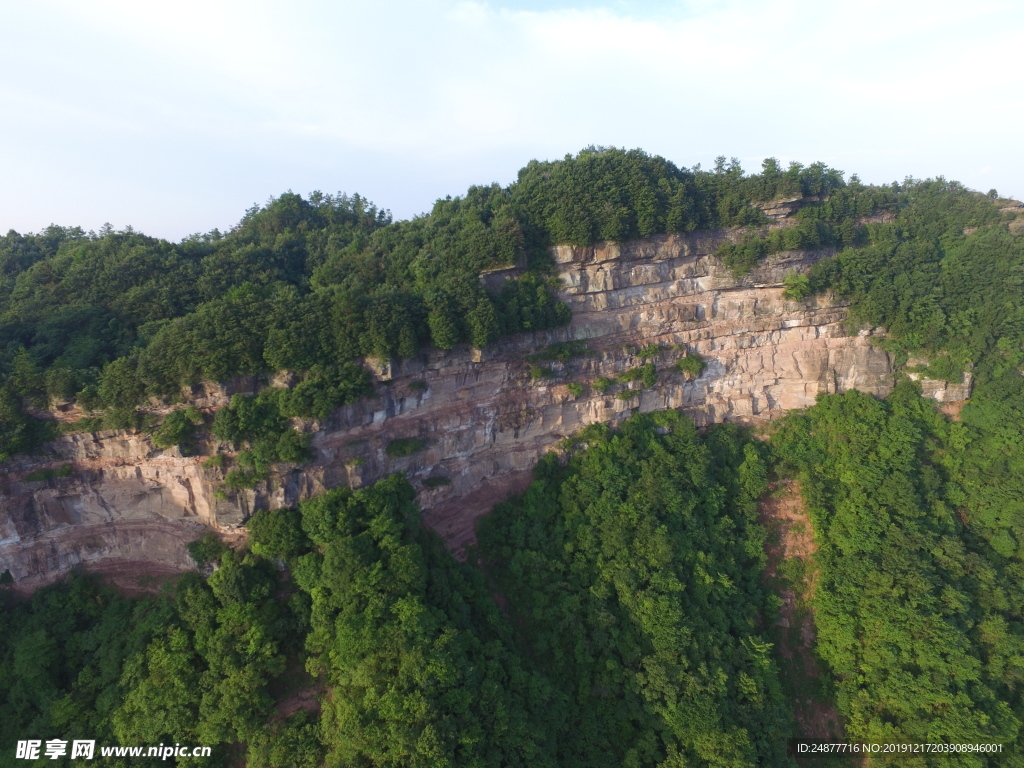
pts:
[484, 420]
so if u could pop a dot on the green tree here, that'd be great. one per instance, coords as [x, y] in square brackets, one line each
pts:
[797, 286]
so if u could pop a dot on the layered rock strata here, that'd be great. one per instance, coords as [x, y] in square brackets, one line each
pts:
[483, 418]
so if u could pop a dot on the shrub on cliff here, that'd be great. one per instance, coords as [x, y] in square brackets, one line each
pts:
[404, 446]
[178, 427]
[691, 365]
[797, 286]
[207, 550]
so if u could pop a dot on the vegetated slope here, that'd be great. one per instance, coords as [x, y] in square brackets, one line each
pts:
[80, 662]
[946, 279]
[642, 648]
[918, 617]
[407, 639]
[666, 326]
[634, 573]
[421, 665]
[918, 520]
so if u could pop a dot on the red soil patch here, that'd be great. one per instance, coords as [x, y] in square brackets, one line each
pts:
[455, 519]
[953, 408]
[130, 577]
[783, 511]
[134, 577]
[306, 700]
[790, 536]
[295, 690]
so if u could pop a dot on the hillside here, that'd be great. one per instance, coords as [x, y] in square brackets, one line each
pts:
[346, 398]
[483, 418]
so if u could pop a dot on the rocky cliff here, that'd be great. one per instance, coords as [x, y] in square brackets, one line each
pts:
[485, 416]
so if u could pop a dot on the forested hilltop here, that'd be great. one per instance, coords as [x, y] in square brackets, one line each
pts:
[615, 614]
[310, 285]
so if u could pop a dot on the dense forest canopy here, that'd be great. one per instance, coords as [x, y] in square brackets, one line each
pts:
[634, 574]
[920, 616]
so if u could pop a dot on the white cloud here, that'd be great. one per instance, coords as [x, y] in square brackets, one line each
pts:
[175, 116]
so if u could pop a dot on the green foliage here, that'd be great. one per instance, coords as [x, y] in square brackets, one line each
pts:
[323, 388]
[797, 286]
[79, 661]
[238, 479]
[290, 743]
[214, 462]
[309, 285]
[606, 194]
[207, 549]
[178, 427]
[526, 304]
[122, 418]
[19, 433]
[259, 423]
[562, 351]
[39, 475]
[405, 446]
[613, 194]
[120, 385]
[410, 642]
[117, 317]
[61, 658]
[646, 374]
[634, 574]
[633, 374]
[537, 373]
[651, 350]
[575, 388]
[418, 385]
[629, 575]
[743, 256]
[917, 615]
[691, 365]
[934, 289]
[248, 419]
[955, 300]
[205, 678]
[834, 221]
[277, 533]
[796, 181]
[436, 481]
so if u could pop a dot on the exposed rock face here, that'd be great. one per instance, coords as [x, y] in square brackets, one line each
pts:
[485, 422]
[125, 500]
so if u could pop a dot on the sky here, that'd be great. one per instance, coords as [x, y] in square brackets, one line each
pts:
[175, 117]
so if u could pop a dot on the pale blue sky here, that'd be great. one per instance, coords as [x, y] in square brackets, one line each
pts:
[175, 117]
